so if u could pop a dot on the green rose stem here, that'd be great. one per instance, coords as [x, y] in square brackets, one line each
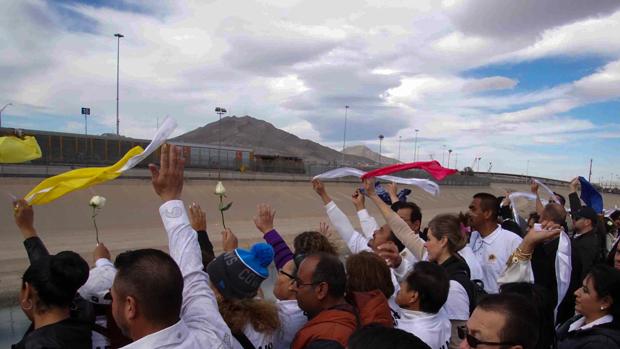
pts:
[222, 211]
[95, 223]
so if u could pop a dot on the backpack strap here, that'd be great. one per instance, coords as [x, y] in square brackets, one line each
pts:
[243, 340]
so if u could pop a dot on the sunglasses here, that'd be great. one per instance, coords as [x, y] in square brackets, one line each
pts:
[475, 342]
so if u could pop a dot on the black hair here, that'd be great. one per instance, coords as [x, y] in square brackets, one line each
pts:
[396, 241]
[56, 278]
[416, 213]
[606, 282]
[154, 279]
[379, 337]
[521, 324]
[540, 298]
[432, 284]
[610, 260]
[615, 215]
[330, 270]
[488, 202]
[561, 198]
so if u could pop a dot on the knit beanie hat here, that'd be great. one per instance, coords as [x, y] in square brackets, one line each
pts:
[239, 273]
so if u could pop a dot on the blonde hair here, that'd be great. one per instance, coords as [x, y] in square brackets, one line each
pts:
[261, 314]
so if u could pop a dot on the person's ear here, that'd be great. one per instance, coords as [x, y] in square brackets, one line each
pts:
[131, 308]
[487, 214]
[413, 297]
[321, 290]
[606, 302]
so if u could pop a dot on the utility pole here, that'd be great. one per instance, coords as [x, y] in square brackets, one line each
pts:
[380, 142]
[118, 56]
[344, 136]
[590, 174]
[399, 139]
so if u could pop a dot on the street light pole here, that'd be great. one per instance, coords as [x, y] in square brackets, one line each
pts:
[220, 111]
[118, 56]
[344, 137]
[1, 110]
[443, 155]
[449, 153]
[415, 146]
[380, 142]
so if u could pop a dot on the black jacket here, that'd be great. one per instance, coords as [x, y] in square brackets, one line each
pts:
[458, 270]
[69, 333]
[588, 249]
[605, 336]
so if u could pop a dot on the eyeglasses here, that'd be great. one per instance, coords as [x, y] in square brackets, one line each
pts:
[297, 281]
[287, 275]
[475, 342]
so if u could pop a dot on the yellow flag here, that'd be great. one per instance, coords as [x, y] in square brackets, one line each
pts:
[14, 150]
[52, 188]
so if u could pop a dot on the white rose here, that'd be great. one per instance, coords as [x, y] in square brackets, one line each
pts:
[97, 201]
[219, 189]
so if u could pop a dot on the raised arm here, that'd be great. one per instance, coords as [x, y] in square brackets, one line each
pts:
[24, 219]
[341, 223]
[199, 311]
[367, 222]
[264, 222]
[198, 220]
[399, 227]
[539, 205]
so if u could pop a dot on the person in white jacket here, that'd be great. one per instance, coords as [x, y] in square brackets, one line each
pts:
[421, 296]
[161, 300]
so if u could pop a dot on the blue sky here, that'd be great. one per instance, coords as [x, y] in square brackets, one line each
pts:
[509, 83]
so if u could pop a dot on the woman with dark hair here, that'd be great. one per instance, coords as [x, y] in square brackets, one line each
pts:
[598, 305]
[444, 242]
[49, 287]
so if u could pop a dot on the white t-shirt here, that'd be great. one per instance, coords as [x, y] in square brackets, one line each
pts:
[492, 252]
[432, 329]
[457, 304]
[292, 318]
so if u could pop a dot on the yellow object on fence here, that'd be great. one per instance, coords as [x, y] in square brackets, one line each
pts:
[15, 150]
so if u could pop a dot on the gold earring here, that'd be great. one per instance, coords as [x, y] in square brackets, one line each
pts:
[602, 308]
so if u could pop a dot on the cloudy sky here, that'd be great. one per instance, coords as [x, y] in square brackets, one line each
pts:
[529, 85]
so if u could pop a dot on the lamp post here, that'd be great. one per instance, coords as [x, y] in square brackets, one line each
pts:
[344, 136]
[443, 155]
[118, 56]
[1, 110]
[449, 153]
[415, 146]
[220, 111]
[380, 142]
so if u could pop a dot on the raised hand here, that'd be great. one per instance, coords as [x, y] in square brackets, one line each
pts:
[574, 185]
[24, 218]
[168, 178]
[101, 251]
[358, 200]
[535, 237]
[264, 218]
[319, 188]
[229, 240]
[324, 229]
[369, 186]
[392, 190]
[197, 217]
[534, 187]
[389, 252]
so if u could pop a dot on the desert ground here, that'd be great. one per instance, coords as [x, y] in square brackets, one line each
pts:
[130, 219]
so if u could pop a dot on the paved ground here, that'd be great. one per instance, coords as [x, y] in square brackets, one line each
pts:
[130, 219]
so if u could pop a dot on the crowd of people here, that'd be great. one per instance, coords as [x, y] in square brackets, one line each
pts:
[472, 280]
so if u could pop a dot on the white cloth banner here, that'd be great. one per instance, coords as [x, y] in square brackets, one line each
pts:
[550, 193]
[424, 184]
[163, 132]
